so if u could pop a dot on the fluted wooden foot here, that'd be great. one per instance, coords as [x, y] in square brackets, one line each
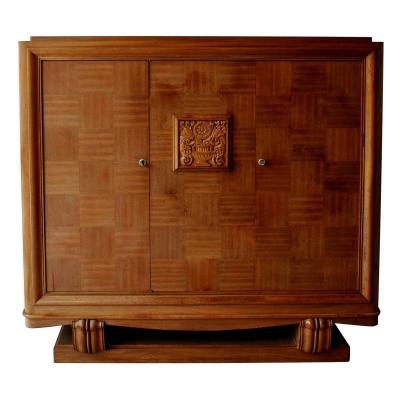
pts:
[314, 335]
[88, 336]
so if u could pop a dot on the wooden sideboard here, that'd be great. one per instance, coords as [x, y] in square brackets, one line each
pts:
[216, 198]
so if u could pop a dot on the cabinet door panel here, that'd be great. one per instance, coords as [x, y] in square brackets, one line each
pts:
[96, 196]
[202, 223]
[308, 195]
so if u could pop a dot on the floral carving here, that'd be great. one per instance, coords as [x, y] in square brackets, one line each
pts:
[202, 143]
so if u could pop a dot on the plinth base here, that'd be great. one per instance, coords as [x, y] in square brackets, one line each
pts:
[277, 344]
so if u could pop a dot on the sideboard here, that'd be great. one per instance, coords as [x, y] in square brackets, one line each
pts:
[200, 198]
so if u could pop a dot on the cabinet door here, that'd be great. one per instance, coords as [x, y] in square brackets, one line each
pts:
[202, 222]
[308, 195]
[95, 129]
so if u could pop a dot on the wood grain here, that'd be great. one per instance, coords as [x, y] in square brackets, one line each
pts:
[95, 129]
[201, 142]
[299, 233]
[315, 335]
[88, 336]
[309, 191]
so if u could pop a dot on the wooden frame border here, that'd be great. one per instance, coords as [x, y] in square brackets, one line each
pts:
[372, 139]
[45, 309]
[32, 176]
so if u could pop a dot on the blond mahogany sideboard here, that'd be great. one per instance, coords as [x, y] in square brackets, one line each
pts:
[200, 198]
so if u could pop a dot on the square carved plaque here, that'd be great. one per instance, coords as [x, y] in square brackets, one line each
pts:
[201, 142]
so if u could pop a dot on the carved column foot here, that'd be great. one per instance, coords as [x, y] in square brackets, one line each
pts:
[88, 335]
[314, 335]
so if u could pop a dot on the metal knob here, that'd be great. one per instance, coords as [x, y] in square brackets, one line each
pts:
[142, 162]
[262, 162]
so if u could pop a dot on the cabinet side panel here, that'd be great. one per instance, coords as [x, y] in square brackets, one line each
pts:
[378, 166]
[31, 175]
[372, 175]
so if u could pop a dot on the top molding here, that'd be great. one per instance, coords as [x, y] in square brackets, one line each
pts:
[173, 47]
[262, 40]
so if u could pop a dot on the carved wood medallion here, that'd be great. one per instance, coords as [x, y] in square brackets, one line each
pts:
[201, 142]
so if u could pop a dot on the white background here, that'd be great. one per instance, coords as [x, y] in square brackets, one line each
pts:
[26, 354]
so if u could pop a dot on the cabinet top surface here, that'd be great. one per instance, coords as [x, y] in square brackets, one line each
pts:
[291, 41]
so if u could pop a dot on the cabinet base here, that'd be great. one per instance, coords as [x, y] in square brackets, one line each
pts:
[124, 345]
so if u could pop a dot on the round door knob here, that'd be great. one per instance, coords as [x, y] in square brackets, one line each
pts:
[262, 162]
[142, 162]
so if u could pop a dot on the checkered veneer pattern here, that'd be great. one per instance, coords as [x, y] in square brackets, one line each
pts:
[292, 225]
[96, 196]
